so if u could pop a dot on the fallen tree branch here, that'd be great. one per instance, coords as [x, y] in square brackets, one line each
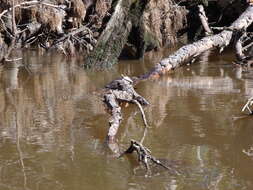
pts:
[144, 156]
[244, 42]
[122, 89]
[186, 52]
[222, 28]
[204, 20]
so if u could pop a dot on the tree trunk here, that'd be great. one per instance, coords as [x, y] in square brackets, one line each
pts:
[111, 42]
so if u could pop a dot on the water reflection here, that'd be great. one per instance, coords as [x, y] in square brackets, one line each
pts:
[53, 124]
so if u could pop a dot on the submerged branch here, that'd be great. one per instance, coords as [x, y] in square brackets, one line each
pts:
[120, 90]
[145, 157]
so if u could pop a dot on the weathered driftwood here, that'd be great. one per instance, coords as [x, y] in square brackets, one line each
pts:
[186, 52]
[122, 89]
[204, 20]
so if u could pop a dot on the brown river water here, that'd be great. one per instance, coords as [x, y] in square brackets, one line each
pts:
[53, 126]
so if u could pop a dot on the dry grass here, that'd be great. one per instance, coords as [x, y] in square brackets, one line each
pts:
[78, 9]
[162, 20]
[50, 17]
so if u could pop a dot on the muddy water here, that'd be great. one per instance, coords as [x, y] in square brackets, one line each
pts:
[53, 124]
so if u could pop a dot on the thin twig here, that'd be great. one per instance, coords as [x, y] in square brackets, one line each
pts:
[246, 106]
[247, 46]
[204, 20]
[14, 26]
[144, 119]
[12, 60]
[222, 28]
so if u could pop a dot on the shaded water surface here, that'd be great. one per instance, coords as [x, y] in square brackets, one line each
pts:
[53, 125]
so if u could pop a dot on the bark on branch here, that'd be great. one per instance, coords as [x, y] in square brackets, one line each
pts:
[239, 47]
[114, 37]
[120, 90]
[204, 20]
[244, 57]
[186, 52]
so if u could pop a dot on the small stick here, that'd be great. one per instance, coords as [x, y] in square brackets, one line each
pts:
[204, 20]
[144, 119]
[247, 46]
[239, 49]
[249, 103]
[12, 60]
